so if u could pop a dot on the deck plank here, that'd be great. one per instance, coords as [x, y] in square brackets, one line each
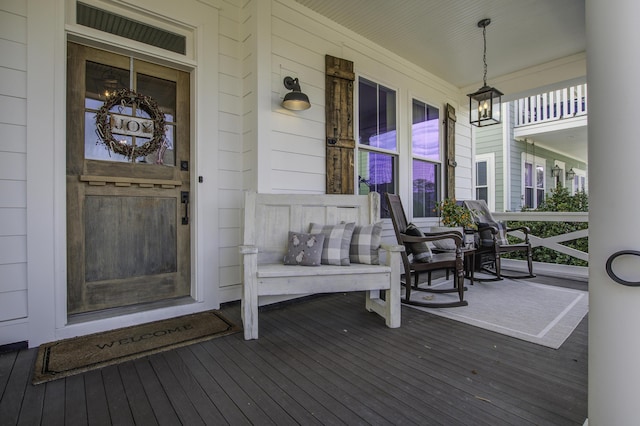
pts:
[141, 409]
[17, 382]
[158, 399]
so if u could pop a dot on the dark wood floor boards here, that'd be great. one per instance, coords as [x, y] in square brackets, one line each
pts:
[16, 383]
[534, 394]
[432, 372]
[268, 379]
[362, 369]
[212, 384]
[180, 401]
[205, 407]
[428, 396]
[247, 382]
[141, 409]
[297, 387]
[156, 395]
[96, 398]
[322, 361]
[344, 384]
[248, 407]
[321, 377]
[33, 401]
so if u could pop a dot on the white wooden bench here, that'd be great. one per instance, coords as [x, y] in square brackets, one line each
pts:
[268, 218]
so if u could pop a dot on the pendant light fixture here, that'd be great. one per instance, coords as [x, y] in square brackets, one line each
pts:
[484, 104]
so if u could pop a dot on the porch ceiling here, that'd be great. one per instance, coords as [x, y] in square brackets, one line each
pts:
[442, 36]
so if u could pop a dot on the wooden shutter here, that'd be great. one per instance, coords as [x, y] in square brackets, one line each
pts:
[339, 125]
[450, 141]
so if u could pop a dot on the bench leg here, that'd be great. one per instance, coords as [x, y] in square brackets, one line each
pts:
[249, 304]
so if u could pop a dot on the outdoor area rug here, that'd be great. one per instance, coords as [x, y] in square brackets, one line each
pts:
[79, 354]
[538, 313]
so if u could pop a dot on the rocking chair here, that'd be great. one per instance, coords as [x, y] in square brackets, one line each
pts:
[492, 242]
[440, 261]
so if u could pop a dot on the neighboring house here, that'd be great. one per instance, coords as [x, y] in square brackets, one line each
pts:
[541, 141]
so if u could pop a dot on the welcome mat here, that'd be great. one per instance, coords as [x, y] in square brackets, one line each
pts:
[80, 354]
[538, 313]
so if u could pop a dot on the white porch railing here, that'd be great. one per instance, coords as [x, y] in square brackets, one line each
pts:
[555, 105]
[552, 243]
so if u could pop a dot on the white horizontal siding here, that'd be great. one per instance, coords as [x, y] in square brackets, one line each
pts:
[13, 170]
[13, 305]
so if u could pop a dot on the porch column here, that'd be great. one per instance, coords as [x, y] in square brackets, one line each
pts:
[613, 72]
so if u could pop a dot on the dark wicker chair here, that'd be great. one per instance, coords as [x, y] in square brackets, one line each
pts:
[492, 242]
[439, 261]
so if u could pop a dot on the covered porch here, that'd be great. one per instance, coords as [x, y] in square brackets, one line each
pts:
[324, 360]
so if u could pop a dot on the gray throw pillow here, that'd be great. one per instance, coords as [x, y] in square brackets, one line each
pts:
[304, 249]
[336, 242]
[421, 251]
[365, 244]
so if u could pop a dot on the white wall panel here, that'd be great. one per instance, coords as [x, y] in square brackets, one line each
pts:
[13, 110]
[13, 82]
[13, 165]
[13, 305]
[13, 55]
[14, 277]
[13, 221]
[13, 27]
[14, 138]
[13, 249]
[14, 193]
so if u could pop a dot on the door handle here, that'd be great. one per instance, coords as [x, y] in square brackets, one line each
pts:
[184, 199]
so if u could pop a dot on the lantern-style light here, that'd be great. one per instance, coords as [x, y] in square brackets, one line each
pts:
[484, 104]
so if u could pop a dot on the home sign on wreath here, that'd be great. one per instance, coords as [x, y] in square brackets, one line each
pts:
[109, 124]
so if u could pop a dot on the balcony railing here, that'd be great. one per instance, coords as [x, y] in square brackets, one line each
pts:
[553, 243]
[554, 105]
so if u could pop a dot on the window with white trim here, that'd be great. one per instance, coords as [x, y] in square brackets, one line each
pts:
[579, 181]
[426, 158]
[485, 177]
[533, 180]
[377, 140]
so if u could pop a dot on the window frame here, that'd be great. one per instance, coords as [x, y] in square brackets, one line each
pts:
[536, 162]
[425, 159]
[488, 158]
[364, 148]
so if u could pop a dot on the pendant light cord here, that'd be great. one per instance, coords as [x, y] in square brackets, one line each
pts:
[484, 53]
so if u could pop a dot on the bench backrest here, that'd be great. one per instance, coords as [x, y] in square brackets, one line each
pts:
[268, 218]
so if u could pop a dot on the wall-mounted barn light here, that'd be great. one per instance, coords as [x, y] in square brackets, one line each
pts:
[484, 104]
[295, 100]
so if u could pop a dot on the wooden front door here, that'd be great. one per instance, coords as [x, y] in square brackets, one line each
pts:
[128, 224]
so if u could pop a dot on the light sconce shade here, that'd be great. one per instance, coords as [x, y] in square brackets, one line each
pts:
[571, 174]
[555, 171]
[484, 104]
[295, 100]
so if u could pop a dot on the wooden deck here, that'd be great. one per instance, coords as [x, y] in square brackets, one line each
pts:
[321, 361]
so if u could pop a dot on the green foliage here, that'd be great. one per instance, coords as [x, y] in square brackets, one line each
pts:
[454, 214]
[560, 200]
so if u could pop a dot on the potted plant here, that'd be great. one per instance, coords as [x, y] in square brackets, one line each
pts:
[453, 215]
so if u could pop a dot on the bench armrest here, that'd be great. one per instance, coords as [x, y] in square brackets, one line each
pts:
[248, 249]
